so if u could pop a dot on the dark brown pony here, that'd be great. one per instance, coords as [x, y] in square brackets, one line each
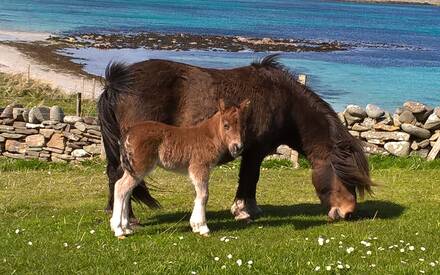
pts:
[193, 150]
[283, 112]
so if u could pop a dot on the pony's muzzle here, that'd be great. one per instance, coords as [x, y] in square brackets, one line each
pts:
[236, 149]
[336, 214]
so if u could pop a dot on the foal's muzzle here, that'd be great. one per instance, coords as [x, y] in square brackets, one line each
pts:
[236, 149]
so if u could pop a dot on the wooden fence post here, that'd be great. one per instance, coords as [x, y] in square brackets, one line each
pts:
[29, 73]
[93, 89]
[78, 104]
[302, 78]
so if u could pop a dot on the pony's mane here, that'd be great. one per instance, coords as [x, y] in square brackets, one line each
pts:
[270, 61]
[347, 155]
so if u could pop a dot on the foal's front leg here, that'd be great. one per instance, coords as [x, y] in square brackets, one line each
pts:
[199, 177]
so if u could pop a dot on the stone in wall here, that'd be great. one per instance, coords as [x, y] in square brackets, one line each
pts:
[433, 122]
[374, 111]
[415, 131]
[56, 113]
[35, 140]
[57, 141]
[39, 114]
[15, 146]
[398, 148]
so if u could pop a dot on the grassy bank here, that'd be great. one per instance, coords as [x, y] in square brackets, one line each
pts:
[51, 221]
[16, 88]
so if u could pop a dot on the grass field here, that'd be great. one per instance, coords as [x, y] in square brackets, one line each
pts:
[51, 221]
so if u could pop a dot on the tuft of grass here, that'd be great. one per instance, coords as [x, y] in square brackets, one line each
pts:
[19, 165]
[410, 163]
[16, 88]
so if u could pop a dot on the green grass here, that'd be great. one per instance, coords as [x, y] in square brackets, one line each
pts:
[56, 204]
[15, 88]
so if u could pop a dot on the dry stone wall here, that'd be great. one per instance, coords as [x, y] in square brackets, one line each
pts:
[47, 134]
[413, 129]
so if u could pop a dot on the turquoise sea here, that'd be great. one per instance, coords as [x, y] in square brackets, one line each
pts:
[395, 54]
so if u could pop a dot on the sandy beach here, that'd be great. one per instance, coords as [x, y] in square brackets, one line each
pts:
[14, 61]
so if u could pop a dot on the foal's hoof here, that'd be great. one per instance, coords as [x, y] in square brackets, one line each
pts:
[128, 231]
[204, 231]
[201, 229]
[119, 232]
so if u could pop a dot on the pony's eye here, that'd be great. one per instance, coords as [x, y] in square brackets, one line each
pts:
[226, 126]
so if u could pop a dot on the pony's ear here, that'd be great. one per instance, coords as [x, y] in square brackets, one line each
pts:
[245, 104]
[221, 106]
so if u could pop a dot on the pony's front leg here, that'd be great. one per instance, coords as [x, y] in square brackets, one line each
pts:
[198, 217]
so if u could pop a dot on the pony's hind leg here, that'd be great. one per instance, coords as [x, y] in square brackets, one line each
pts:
[199, 178]
[120, 217]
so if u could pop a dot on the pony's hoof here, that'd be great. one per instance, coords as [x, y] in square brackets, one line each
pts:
[128, 231]
[242, 216]
[252, 208]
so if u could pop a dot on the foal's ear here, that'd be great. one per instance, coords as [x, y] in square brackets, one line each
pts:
[221, 106]
[245, 104]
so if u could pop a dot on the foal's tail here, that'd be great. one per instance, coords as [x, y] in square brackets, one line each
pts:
[118, 79]
[349, 161]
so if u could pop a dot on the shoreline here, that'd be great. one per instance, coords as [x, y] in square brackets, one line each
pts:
[20, 51]
[28, 52]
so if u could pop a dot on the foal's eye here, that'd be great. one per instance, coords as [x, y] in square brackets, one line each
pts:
[226, 126]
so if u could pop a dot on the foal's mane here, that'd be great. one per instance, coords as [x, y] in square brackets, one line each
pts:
[347, 155]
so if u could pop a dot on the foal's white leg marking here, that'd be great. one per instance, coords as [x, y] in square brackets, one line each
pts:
[115, 221]
[198, 216]
[119, 222]
[130, 183]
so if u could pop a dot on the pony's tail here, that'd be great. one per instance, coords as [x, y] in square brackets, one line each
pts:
[351, 165]
[118, 79]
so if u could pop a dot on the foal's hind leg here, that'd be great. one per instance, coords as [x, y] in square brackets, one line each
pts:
[119, 222]
[199, 177]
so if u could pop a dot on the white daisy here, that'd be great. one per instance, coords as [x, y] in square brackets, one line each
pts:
[321, 241]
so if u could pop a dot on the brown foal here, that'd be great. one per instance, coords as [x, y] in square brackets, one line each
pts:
[195, 150]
